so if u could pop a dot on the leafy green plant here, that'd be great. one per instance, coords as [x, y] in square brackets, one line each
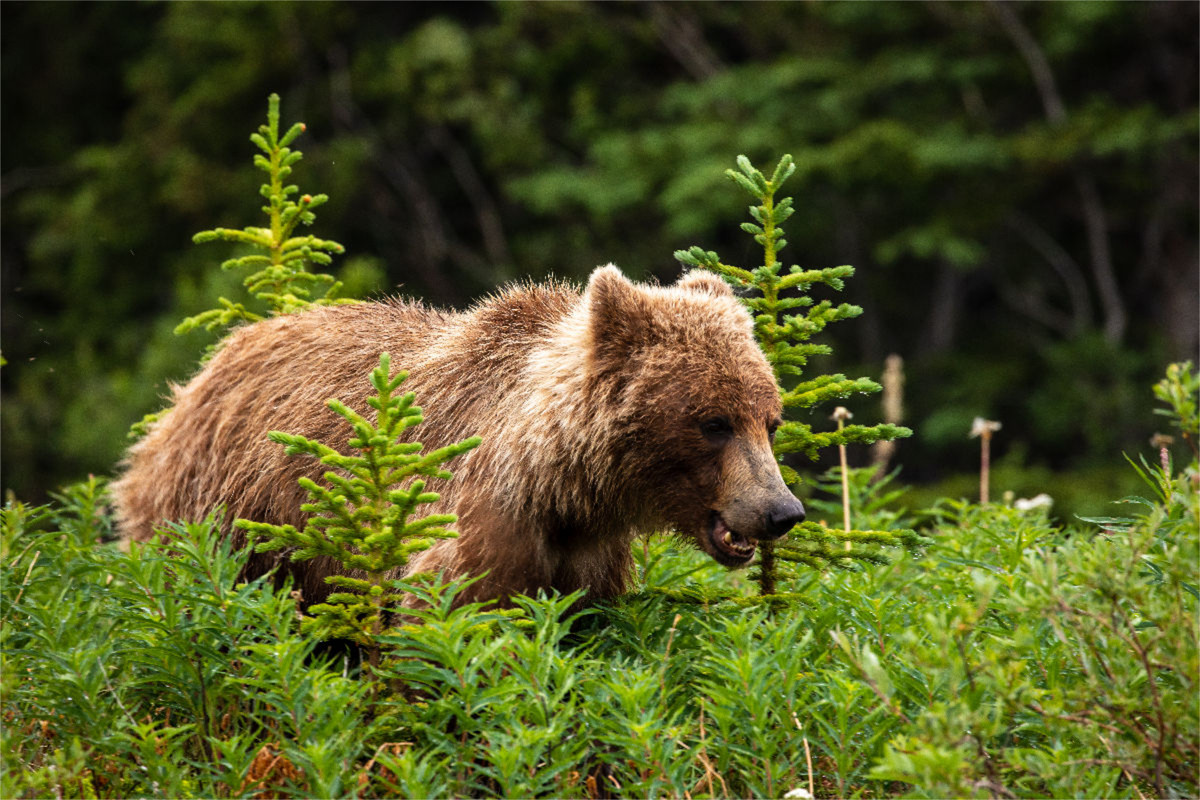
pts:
[1010, 657]
[875, 499]
[361, 518]
[1060, 663]
[501, 696]
[1064, 665]
[784, 323]
[155, 672]
[1179, 390]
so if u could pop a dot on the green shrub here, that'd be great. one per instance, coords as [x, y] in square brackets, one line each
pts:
[155, 672]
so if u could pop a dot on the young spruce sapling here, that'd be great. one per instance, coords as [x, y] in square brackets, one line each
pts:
[363, 516]
[785, 318]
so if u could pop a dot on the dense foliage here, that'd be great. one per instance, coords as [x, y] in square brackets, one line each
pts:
[1015, 183]
[1013, 658]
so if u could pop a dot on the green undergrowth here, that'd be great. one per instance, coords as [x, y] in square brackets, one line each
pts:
[1011, 657]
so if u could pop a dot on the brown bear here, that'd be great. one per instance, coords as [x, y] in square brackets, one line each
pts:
[618, 409]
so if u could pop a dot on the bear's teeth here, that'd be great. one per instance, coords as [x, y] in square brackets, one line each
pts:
[728, 538]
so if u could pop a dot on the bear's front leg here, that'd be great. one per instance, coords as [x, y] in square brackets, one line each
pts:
[506, 556]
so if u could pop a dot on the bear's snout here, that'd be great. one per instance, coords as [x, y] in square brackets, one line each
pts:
[782, 517]
[757, 503]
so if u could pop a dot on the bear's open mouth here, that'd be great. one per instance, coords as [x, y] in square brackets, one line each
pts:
[729, 547]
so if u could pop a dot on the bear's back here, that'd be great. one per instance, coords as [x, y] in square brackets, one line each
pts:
[211, 448]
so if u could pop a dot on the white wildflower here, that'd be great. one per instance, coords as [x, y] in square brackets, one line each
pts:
[984, 427]
[1042, 500]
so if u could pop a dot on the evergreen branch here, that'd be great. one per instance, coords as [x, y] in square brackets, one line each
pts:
[143, 426]
[798, 437]
[244, 261]
[810, 531]
[827, 387]
[802, 279]
[251, 236]
[228, 314]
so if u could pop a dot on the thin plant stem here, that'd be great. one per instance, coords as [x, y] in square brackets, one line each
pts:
[984, 428]
[841, 414]
[985, 465]
[845, 487]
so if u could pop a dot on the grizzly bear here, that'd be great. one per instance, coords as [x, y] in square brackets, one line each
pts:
[618, 409]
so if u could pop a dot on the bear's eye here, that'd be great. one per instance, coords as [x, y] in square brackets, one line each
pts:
[771, 428]
[716, 429]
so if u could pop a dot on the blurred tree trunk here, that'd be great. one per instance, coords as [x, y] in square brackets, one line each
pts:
[944, 311]
[1095, 218]
[1181, 288]
[1079, 314]
[680, 33]
[421, 228]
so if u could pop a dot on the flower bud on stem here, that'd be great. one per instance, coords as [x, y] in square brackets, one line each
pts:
[984, 428]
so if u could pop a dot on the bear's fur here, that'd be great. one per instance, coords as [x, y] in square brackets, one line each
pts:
[618, 409]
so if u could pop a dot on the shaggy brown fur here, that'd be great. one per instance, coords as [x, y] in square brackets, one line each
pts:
[623, 408]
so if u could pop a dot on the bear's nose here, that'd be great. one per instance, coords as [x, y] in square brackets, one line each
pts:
[783, 517]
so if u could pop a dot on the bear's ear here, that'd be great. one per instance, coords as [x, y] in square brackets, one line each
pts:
[701, 280]
[616, 310]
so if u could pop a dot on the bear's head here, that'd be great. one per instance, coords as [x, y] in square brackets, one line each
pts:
[690, 406]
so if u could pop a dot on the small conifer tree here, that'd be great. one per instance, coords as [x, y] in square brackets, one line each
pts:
[281, 277]
[784, 322]
[362, 517]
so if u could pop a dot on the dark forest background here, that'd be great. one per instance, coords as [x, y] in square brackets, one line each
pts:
[1016, 184]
